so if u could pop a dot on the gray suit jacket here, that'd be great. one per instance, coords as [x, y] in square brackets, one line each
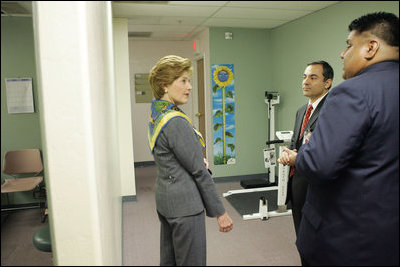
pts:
[183, 186]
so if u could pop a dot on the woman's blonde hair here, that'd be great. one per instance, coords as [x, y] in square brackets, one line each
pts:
[166, 71]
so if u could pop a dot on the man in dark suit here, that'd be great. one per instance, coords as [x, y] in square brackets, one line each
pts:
[351, 213]
[317, 80]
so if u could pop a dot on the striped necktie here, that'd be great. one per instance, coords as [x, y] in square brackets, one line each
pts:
[306, 118]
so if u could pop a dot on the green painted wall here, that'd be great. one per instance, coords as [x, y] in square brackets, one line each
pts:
[264, 60]
[18, 131]
[249, 52]
[319, 36]
[275, 60]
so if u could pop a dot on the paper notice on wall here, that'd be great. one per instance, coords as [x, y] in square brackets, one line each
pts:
[19, 95]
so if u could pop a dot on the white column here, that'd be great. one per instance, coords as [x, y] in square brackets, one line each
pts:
[123, 94]
[75, 66]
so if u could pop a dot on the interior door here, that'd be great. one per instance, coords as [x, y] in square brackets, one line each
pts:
[201, 100]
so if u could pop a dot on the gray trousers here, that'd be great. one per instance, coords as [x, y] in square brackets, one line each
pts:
[183, 241]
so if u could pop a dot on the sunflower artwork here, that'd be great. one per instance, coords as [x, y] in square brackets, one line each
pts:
[223, 114]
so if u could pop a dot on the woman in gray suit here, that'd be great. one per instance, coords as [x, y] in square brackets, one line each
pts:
[184, 188]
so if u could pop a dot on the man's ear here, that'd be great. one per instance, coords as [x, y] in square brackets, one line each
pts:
[328, 83]
[371, 48]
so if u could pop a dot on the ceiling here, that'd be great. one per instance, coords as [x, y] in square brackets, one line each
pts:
[183, 20]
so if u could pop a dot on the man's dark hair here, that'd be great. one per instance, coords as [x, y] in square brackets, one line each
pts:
[381, 24]
[327, 70]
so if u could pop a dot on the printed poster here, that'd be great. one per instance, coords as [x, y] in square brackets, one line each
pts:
[223, 99]
[19, 95]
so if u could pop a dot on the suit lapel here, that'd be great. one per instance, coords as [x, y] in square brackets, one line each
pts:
[311, 123]
[314, 116]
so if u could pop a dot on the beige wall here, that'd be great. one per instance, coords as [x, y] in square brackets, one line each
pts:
[142, 57]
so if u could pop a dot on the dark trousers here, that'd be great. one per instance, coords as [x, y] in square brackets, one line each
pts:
[297, 191]
[304, 262]
[183, 240]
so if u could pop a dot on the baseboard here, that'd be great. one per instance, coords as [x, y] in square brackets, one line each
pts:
[239, 178]
[128, 198]
[12, 207]
[144, 163]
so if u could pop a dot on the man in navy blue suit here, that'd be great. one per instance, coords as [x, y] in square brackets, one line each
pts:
[351, 213]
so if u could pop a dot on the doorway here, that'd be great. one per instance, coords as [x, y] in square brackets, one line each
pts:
[201, 100]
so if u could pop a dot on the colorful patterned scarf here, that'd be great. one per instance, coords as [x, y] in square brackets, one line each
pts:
[161, 113]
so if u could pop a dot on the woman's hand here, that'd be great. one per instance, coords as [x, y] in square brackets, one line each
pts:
[225, 223]
[206, 163]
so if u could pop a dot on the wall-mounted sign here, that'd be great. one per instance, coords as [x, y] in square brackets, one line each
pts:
[143, 92]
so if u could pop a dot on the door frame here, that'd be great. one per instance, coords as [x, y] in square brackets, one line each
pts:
[195, 99]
